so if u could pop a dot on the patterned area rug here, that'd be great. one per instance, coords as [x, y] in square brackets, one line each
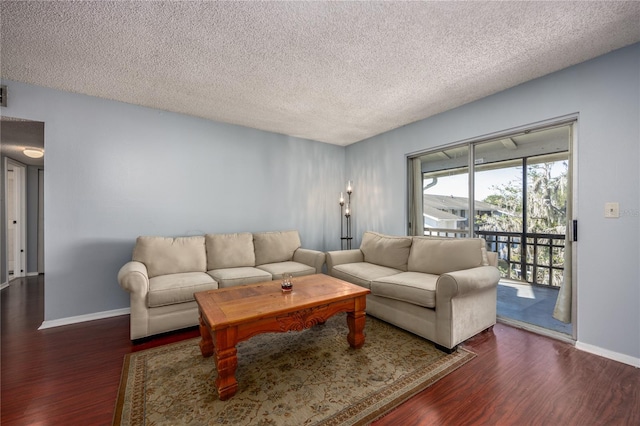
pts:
[311, 377]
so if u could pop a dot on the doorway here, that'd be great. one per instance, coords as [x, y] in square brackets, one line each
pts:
[21, 205]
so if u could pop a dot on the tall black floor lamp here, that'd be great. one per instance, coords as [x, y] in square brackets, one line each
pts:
[345, 239]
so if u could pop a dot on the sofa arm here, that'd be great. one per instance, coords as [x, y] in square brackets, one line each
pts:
[312, 258]
[467, 281]
[465, 304]
[134, 278]
[339, 257]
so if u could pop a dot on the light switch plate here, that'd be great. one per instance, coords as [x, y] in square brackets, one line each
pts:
[611, 210]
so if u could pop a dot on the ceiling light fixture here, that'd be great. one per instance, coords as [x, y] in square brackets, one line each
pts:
[33, 153]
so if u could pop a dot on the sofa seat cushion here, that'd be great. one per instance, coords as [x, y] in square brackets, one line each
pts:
[413, 287]
[296, 269]
[229, 277]
[362, 273]
[177, 288]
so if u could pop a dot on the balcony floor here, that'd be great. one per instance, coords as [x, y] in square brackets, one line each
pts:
[530, 304]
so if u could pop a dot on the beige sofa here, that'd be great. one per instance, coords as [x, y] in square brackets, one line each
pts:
[443, 289]
[165, 272]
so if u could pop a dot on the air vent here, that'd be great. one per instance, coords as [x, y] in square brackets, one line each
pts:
[3, 95]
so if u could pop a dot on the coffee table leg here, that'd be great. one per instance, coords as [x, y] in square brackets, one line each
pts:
[226, 362]
[356, 321]
[206, 343]
[225, 356]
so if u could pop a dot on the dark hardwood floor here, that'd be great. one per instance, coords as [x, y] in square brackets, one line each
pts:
[70, 375]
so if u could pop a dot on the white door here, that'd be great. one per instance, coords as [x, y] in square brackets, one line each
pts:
[16, 178]
[11, 223]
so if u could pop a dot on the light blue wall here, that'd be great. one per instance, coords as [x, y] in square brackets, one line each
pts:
[605, 92]
[114, 171]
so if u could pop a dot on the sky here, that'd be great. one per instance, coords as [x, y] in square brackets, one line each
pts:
[457, 185]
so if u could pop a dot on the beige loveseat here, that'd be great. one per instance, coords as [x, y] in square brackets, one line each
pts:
[443, 289]
[165, 272]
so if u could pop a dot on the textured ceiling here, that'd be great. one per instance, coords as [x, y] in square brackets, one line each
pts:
[335, 72]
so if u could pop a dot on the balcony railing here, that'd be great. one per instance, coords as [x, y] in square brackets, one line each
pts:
[543, 263]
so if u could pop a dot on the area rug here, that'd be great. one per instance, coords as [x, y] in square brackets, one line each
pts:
[310, 377]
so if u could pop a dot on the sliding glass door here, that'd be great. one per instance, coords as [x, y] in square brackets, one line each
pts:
[513, 191]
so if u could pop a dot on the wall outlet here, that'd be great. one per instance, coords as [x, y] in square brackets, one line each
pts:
[612, 210]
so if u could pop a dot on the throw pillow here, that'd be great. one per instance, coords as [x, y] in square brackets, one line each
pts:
[165, 255]
[386, 250]
[230, 250]
[441, 255]
[272, 247]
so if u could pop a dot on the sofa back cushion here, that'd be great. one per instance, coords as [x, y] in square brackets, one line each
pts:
[272, 247]
[230, 250]
[442, 255]
[164, 255]
[386, 250]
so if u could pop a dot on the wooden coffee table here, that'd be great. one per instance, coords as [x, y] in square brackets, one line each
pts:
[231, 315]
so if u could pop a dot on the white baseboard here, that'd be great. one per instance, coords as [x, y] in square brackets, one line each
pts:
[615, 356]
[32, 274]
[625, 359]
[84, 318]
[4, 285]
